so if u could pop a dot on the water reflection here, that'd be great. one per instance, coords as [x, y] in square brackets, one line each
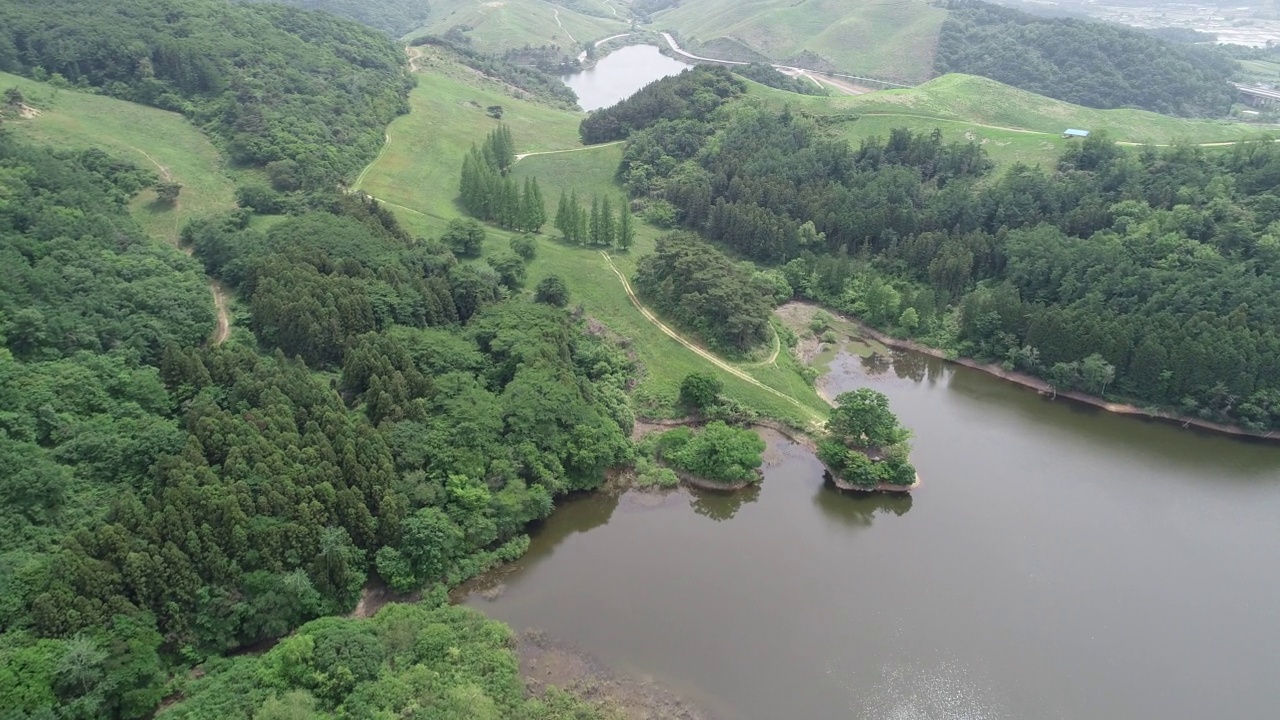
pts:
[720, 506]
[858, 509]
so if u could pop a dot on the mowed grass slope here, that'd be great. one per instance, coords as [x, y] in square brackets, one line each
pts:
[162, 141]
[417, 175]
[888, 40]
[503, 25]
[1012, 124]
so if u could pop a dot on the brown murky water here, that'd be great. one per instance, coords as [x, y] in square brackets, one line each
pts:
[1057, 563]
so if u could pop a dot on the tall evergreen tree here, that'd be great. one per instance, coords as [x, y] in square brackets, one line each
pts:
[606, 222]
[596, 228]
[539, 215]
[626, 227]
[564, 219]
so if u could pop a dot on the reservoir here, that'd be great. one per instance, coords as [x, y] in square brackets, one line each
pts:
[619, 74]
[1057, 562]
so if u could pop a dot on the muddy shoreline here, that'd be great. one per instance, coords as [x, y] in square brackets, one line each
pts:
[1043, 388]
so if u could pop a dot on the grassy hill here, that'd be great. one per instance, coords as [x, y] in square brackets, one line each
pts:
[417, 176]
[890, 40]
[498, 26]
[161, 140]
[1012, 124]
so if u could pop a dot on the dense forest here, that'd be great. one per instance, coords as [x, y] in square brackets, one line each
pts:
[168, 502]
[1095, 64]
[271, 84]
[1151, 274]
[693, 94]
[394, 17]
[768, 75]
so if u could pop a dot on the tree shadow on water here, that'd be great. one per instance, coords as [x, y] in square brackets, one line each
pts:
[722, 505]
[859, 509]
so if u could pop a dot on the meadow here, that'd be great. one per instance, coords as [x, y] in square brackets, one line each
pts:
[417, 176]
[157, 139]
[499, 26]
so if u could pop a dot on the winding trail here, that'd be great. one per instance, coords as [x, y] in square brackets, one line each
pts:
[386, 142]
[675, 47]
[522, 156]
[222, 329]
[562, 28]
[773, 357]
[698, 350]
[583, 55]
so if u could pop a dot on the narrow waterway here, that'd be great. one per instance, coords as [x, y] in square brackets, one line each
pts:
[1057, 563]
[619, 74]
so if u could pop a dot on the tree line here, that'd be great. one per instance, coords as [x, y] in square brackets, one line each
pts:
[596, 227]
[1148, 274]
[1095, 64]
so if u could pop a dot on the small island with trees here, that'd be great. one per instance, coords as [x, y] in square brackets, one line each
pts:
[715, 457]
[865, 447]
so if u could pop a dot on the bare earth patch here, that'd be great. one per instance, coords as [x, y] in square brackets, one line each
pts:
[545, 662]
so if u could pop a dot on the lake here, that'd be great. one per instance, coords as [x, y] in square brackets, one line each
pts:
[619, 74]
[1057, 562]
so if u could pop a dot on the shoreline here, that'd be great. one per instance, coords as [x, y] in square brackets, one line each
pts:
[1043, 388]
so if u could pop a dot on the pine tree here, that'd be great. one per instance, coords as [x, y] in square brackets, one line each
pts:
[595, 226]
[577, 220]
[563, 217]
[539, 208]
[606, 222]
[626, 227]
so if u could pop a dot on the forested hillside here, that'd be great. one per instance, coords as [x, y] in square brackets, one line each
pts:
[1153, 274]
[1095, 64]
[269, 83]
[167, 502]
[394, 17]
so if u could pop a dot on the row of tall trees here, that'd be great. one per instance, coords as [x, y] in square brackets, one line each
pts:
[597, 226]
[490, 193]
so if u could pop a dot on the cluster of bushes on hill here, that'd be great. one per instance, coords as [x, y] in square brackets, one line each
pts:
[700, 288]
[393, 17]
[269, 83]
[693, 94]
[1095, 64]
[166, 502]
[539, 82]
[1152, 274]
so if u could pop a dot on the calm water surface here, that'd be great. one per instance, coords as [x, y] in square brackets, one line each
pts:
[1056, 563]
[619, 74]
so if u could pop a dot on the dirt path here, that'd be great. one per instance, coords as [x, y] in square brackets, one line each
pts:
[566, 32]
[699, 351]
[222, 330]
[386, 142]
[777, 348]
[783, 68]
[415, 54]
[522, 156]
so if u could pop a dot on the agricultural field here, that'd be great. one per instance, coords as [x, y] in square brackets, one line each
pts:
[157, 139]
[894, 41]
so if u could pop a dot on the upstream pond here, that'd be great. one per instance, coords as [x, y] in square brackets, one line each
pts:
[1057, 562]
[619, 74]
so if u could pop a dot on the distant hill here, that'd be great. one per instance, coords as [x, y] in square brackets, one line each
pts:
[496, 27]
[394, 17]
[890, 40]
[1099, 65]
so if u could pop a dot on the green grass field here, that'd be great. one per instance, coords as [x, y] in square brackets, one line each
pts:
[507, 24]
[160, 140]
[417, 176]
[889, 40]
[1260, 70]
[1013, 125]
